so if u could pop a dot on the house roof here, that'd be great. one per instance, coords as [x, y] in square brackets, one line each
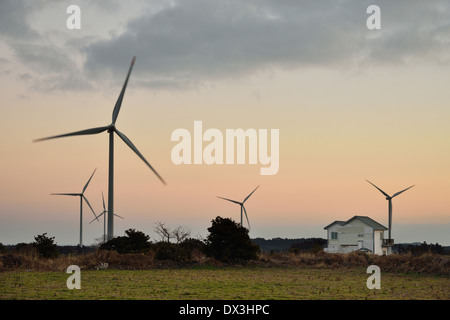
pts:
[337, 221]
[369, 221]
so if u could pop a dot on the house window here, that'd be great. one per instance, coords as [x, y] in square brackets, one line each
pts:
[334, 235]
[360, 235]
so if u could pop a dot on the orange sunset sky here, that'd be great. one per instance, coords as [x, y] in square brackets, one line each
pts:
[350, 103]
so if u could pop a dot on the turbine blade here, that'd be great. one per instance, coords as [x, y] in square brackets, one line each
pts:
[250, 194]
[77, 133]
[66, 194]
[132, 147]
[402, 191]
[84, 189]
[98, 217]
[85, 199]
[248, 222]
[103, 198]
[122, 93]
[379, 189]
[230, 200]
[118, 216]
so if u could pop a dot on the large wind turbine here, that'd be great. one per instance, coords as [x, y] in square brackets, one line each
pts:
[389, 198]
[104, 218]
[242, 206]
[81, 195]
[111, 129]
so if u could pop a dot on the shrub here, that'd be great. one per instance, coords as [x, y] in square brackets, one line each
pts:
[26, 249]
[46, 246]
[3, 248]
[11, 261]
[229, 242]
[133, 242]
[166, 251]
[179, 252]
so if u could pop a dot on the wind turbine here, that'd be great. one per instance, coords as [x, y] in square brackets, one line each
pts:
[389, 198]
[81, 195]
[242, 205]
[104, 218]
[111, 129]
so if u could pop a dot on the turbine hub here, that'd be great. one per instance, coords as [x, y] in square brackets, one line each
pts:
[112, 127]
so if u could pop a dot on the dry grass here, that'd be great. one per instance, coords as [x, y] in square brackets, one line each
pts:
[431, 264]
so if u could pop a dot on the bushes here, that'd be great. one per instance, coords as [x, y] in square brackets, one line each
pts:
[138, 242]
[166, 251]
[46, 246]
[133, 242]
[185, 251]
[229, 242]
[179, 255]
[10, 261]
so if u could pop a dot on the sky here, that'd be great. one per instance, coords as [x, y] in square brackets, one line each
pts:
[350, 103]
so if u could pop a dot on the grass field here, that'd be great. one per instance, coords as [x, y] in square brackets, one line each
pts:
[210, 283]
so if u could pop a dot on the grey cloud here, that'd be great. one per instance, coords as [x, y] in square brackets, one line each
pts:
[186, 43]
[43, 59]
[48, 66]
[13, 20]
[203, 40]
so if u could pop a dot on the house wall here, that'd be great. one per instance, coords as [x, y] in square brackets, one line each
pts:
[378, 242]
[351, 237]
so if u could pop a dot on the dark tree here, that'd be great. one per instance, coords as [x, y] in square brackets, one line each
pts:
[133, 242]
[228, 241]
[311, 245]
[46, 246]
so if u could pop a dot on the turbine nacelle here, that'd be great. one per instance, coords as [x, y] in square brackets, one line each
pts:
[111, 128]
[241, 205]
[389, 198]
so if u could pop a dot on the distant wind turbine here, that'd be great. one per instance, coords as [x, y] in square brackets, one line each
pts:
[389, 198]
[81, 195]
[111, 129]
[104, 218]
[242, 206]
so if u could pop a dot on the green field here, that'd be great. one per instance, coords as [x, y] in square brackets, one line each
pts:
[239, 283]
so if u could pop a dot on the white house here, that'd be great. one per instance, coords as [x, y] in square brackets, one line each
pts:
[358, 233]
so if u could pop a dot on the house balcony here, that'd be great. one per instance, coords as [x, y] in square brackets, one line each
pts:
[388, 242]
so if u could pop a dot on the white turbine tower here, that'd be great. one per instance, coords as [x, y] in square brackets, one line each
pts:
[82, 197]
[242, 206]
[389, 199]
[104, 218]
[111, 129]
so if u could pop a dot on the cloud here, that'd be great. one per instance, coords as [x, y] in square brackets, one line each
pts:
[47, 66]
[186, 43]
[13, 20]
[201, 40]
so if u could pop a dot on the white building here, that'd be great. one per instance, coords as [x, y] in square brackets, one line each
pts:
[358, 233]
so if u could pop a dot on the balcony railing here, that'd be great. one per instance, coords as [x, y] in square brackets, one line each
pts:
[388, 242]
